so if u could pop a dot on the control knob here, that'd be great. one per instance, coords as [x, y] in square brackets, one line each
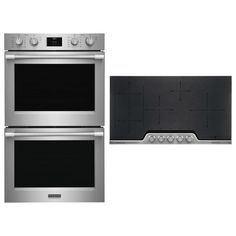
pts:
[180, 139]
[19, 41]
[34, 41]
[189, 139]
[74, 41]
[170, 139]
[89, 41]
[152, 138]
[161, 139]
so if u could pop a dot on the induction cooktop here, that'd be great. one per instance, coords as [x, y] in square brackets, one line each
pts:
[170, 109]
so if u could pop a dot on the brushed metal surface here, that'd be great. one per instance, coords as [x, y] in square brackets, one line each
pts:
[164, 140]
[10, 42]
[12, 134]
[95, 57]
[54, 118]
[95, 194]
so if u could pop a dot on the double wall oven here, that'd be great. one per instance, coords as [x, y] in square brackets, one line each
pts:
[54, 117]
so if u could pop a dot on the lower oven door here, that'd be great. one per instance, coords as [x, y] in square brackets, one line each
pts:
[54, 164]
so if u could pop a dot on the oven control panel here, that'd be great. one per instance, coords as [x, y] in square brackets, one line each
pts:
[55, 42]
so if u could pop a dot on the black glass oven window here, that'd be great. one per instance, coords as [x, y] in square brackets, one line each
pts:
[195, 104]
[54, 87]
[52, 163]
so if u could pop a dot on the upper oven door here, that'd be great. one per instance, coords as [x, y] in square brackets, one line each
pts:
[54, 88]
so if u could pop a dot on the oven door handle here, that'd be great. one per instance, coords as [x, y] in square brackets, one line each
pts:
[95, 134]
[95, 57]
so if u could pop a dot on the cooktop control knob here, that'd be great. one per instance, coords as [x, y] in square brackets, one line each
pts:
[152, 138]
[19, 41]
[189, 139]
[180, 139]
[74, 41]
[161, 139]
[89, 41]
[170, 139]
[34, 41]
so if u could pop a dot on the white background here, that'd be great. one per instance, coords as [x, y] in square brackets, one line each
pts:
[150, 189]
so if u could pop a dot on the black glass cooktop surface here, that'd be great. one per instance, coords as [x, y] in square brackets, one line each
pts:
[200, 105]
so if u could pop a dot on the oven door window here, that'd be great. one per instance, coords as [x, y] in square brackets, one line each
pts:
[54, 87]
[54, 163]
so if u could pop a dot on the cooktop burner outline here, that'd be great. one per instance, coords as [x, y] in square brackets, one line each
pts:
[207, 110]
[158, 109]
[180, 91]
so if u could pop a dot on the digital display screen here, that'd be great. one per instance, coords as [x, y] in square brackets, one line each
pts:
[54, 42]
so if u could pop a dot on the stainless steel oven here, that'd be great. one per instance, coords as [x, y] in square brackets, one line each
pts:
[54, 113]
[54, 164]
[52, 85]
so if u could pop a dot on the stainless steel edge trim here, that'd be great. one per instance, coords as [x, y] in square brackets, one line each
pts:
[12, 134]
[99, 57]
[195, 140]
[142, 142]
[95, 57]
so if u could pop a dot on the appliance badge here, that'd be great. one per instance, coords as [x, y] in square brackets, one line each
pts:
[54, 195]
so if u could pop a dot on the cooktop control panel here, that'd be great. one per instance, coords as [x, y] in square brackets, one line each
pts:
[55, 42]
[170, 138]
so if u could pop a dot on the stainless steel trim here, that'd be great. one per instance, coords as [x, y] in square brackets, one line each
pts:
[95, 57]
[153, 138]
[12, 134]
[70, 194]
